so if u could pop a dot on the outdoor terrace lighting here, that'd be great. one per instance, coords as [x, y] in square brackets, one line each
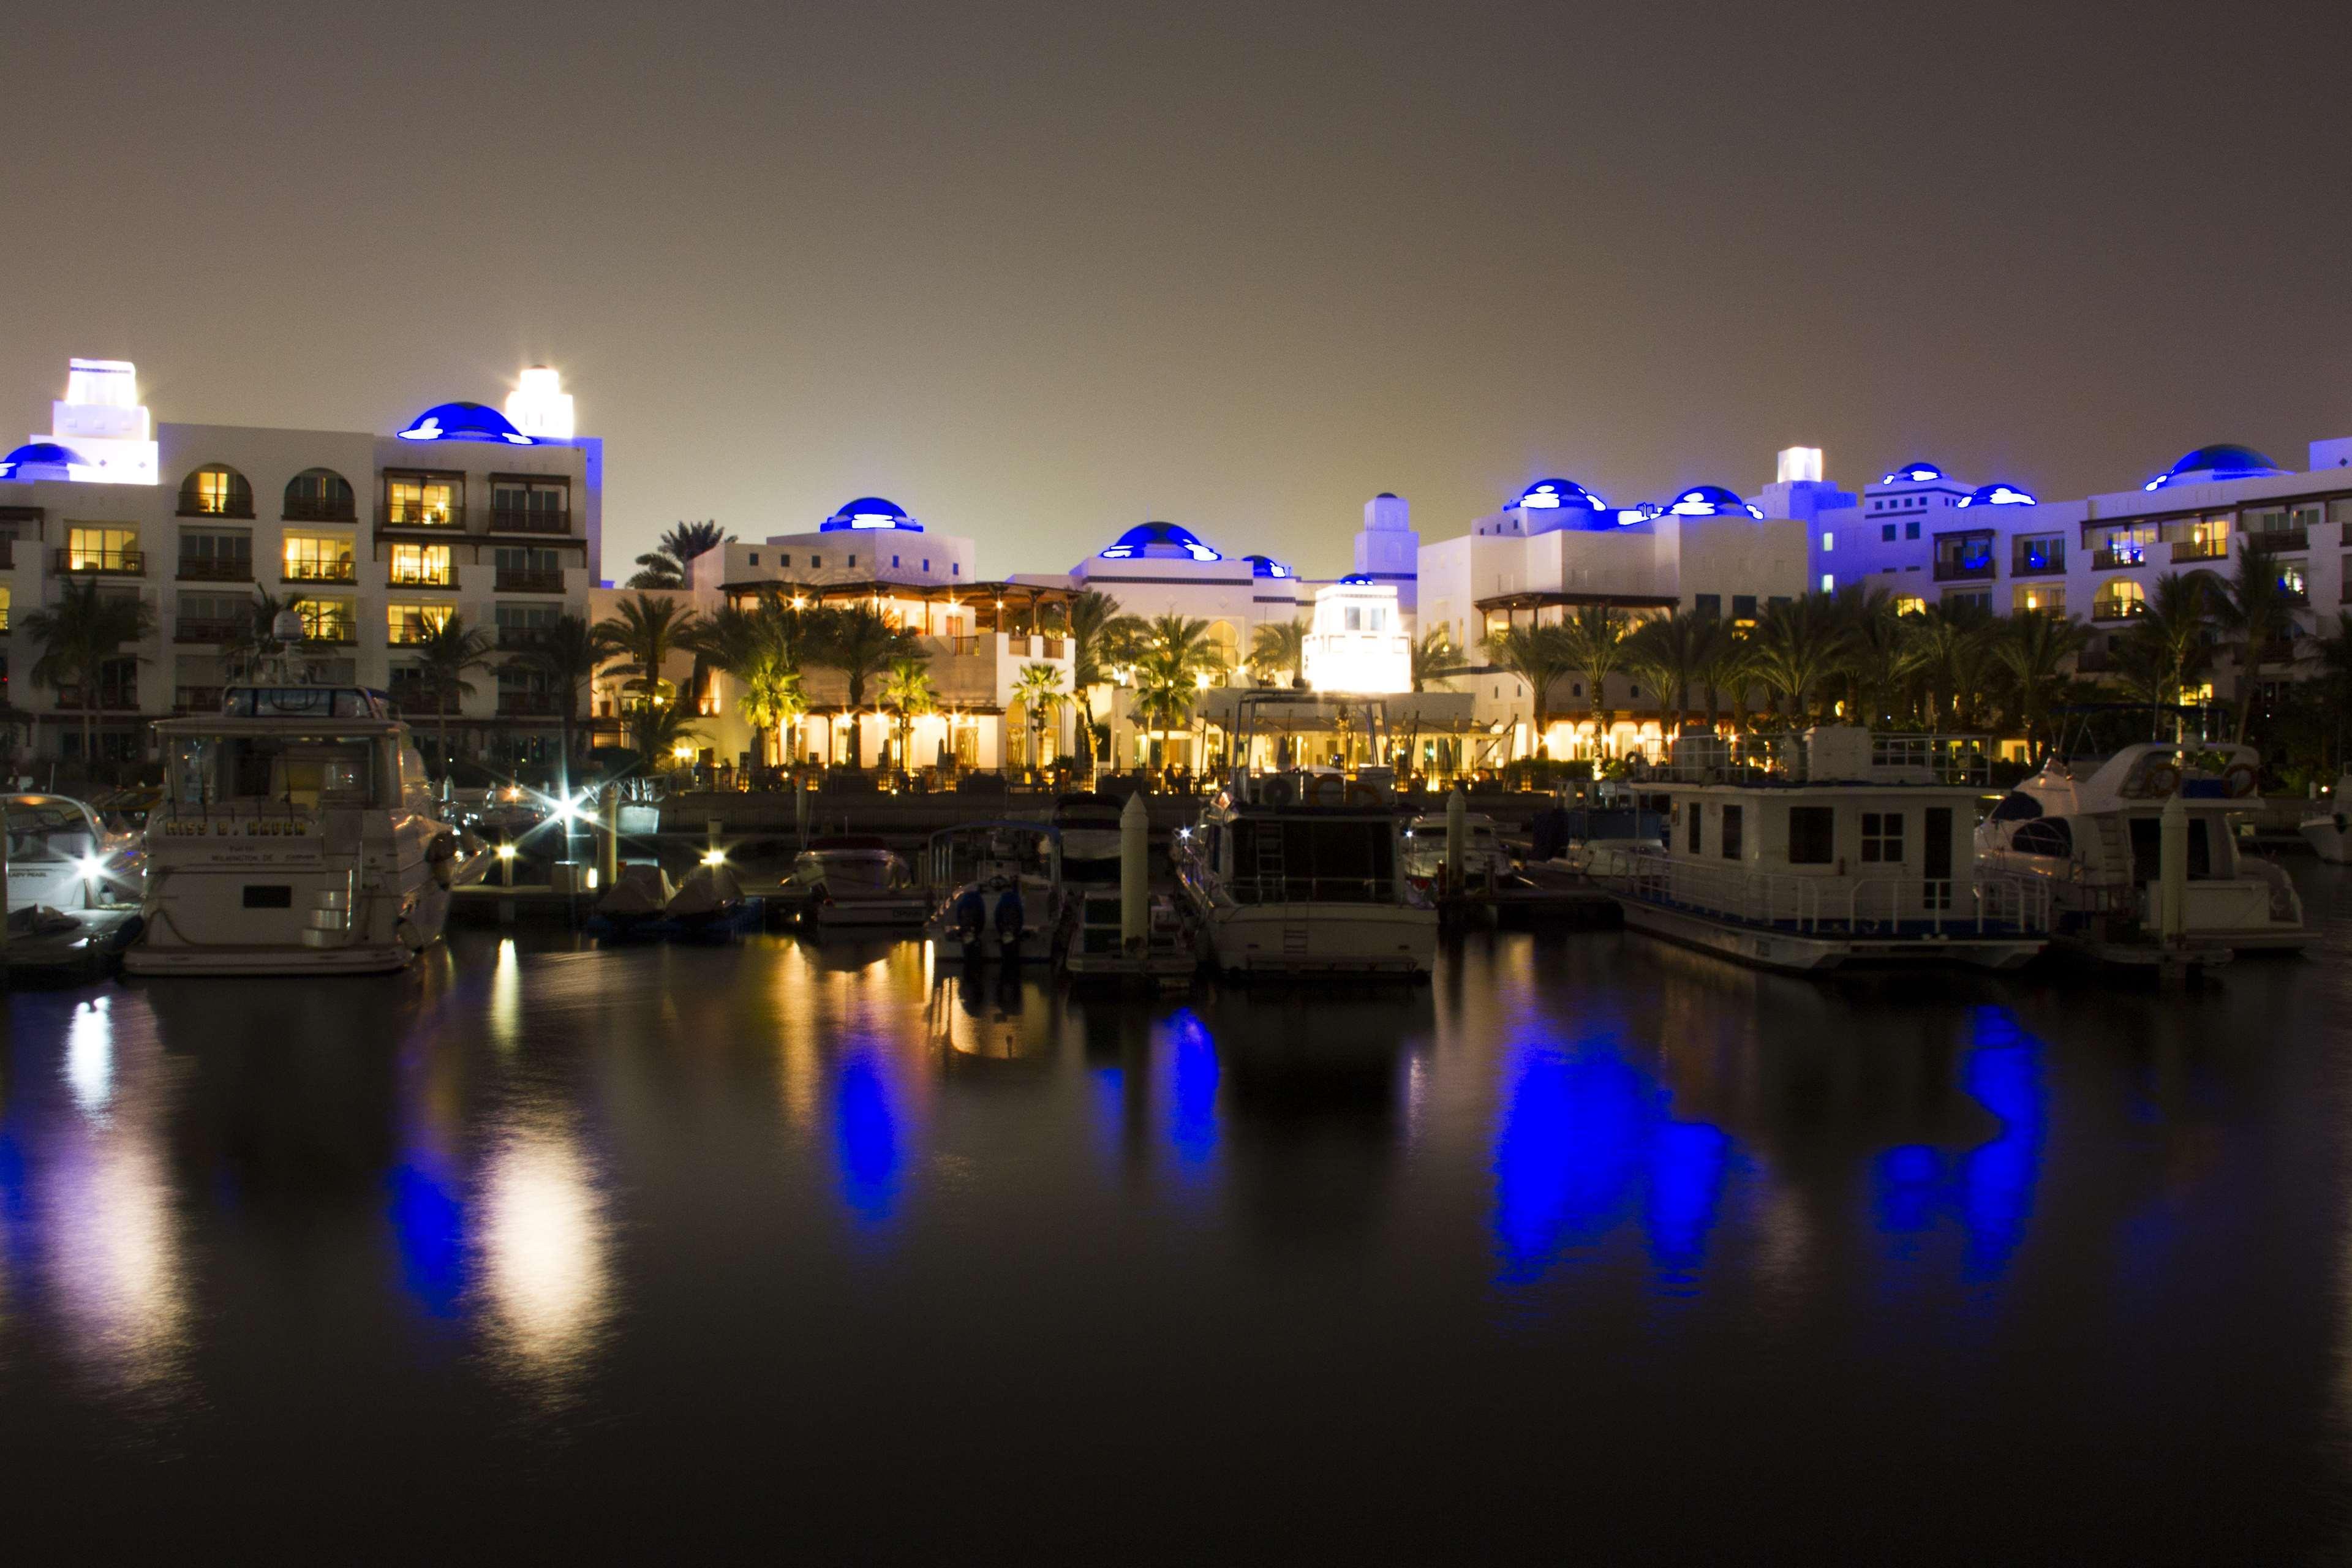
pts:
[683, 752]
[506, 851]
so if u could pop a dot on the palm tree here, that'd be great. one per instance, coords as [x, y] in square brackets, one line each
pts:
[2253, 605]
[1039, 693]
[1673, 653]
[2174, 625]
[657, 730]
[861, 642]
[1729, 666]
[255, 636]
[1876, 653]
[1950, 648]
[1278, 652]
[2036, 647]
[1164, 690]
[644, 631]
[445, 655]
[1097, 634]
[1181, 642]
[570, 652]
[1798, 643]
[1596, 633]
[80, 639]
[665, 567]
[1436, 658]
[657, 572]
[1539, 656]
[909, 691]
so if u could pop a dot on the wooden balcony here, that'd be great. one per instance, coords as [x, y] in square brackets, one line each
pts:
[208, 630]
[103, 562]
[521, 519]
[529, 580]
[213, 569]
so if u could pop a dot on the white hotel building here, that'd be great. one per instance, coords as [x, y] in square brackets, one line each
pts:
[373, 537]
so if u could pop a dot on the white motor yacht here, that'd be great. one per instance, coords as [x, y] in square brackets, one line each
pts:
[62, 856]
[297, 836]
[2091, 832]
[1839, 849]
[1485, 860]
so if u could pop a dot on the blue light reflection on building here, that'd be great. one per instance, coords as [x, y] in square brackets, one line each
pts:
[866, 1139]
[1585, 1144]
[1192, 1073]
[1988, 1189]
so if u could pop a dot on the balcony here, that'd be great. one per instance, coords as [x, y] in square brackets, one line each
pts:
[103, 562]
[529, 580]
[446, 578]
[208, 630]
[409, 695]
[2199, 550]
[438, 519]
[521, 519]
[520, 639]
[111, 700]
[2283, 540]
[529, 705]
[320, 571]
[2116, 557]
[2110, 610]
[2037, 564]
[212, 569]
[239, 507]
[196, 700]
[307, 510]
[1964, 568]
[338, 634]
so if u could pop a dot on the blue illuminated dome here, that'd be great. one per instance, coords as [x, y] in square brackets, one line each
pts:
[1918, 471]
[1265, 566]
[869, 513]
[1710, 500]
[39, 456]
[1546, 494]
[1159, 541]
[464, 422]
[2224, 460]
[2000, 495]
[1356, 580]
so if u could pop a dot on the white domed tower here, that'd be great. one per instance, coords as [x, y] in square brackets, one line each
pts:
[1387, 549]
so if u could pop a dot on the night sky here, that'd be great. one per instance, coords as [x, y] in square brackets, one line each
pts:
[1039, 272]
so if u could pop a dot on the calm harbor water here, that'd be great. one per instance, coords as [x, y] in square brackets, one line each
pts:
[1593, 1248]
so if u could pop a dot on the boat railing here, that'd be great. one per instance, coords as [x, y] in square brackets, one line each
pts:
[1982, 904]
[1312, 889]
[1788, 758]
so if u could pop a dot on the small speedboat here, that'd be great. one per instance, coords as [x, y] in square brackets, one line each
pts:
[1000, 891]
[639, 896]
[854, 880]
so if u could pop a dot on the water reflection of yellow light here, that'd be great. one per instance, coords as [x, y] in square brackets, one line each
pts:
[89, 1055]
[544, 1247]
[506, 995]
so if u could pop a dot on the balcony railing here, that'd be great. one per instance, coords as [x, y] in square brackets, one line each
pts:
[2023, 565]
[239, 507]
[207, 629]
[2199, 550]
[434, 517]
[2117, 609]
[444, 578]
[2116, 557]
[213, 569]
[411, 696]
[520, 639]
[196, 700]
[109, 562]
[522, 520]
[320, 571]
[304, 509]
[527, 705]
[340, 633]
[111, 700]
[529, 580]
[2283, 538]
[1965, 567]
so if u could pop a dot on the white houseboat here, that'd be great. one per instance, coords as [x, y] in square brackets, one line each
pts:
[1296, 889]
[2092, 832]
[297, 836]
[1832, 850]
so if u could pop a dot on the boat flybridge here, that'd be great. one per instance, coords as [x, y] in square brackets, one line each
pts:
[297, 836]
[1834, 849]
[1279, 887]
[2091, 831]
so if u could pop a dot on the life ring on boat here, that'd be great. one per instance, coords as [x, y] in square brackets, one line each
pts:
[1274, 791]
[1331, 785]
[2242, 779]
[2159, 780]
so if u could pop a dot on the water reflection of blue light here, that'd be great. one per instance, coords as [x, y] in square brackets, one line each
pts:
[1990, 1188]
[865, 1140]
[1192, 1088]
[429, 1219]
[1585, 1144]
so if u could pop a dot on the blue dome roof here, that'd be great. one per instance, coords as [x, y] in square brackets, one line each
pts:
[1159, 541]
[464, 422]
[1710, 500]
[37, 455]
[1356, 580]
[1265, 566]
[1918, 471]
[1546, 494]
[1998, 494]
[869, 513]
[2223, 461]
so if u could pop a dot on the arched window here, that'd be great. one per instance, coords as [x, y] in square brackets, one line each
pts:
[319, 495]
[2119, 599]
[215, 490]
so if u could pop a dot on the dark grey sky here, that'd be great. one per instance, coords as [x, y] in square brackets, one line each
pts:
[1040, 271]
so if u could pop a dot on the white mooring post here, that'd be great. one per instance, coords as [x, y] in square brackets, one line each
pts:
[1134, 873]
[2172, 870]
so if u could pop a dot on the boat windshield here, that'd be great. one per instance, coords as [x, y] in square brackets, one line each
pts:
[46, 831]
[208, 771]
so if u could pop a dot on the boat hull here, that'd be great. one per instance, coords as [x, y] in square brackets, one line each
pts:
[1322, 938]
[2330, 838]
[1798, 952]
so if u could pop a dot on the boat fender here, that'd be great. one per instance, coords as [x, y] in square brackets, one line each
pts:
[406, 933]
[2159, 781]
[2242, 779]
